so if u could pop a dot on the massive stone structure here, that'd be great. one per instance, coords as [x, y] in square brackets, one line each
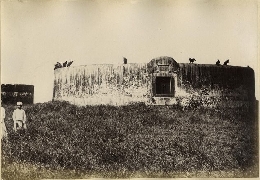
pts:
[160, 81]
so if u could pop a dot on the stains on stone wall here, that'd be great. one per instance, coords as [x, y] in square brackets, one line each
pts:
[231, 82]
[137, 83]
[193, 84]
[215, 86]
[102, 84]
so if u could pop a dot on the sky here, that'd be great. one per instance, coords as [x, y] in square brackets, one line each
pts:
[37, 34]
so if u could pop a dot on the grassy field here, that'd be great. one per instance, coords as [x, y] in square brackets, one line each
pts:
[66, 141]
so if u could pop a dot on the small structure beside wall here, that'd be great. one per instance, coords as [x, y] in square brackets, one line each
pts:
[12, 93]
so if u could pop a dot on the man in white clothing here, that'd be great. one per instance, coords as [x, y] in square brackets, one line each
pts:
[4, 131]
[19, 117]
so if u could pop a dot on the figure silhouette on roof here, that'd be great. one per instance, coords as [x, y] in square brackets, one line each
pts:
[226, 62]
[192, 60]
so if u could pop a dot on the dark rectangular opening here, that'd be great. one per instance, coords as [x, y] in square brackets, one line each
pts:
[164, 86]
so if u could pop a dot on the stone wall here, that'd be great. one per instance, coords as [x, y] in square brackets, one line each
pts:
[227, 81]
[210, 85]
[102, 84]
[215, 86]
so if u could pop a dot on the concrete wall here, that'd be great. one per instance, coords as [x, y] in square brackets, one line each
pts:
[102, 84]
[215, 86]
[210, 85]
[229, 81]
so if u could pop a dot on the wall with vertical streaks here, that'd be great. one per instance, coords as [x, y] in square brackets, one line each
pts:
[102, 84]
[135, 82]
[228, 81]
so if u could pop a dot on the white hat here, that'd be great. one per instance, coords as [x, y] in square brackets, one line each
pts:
[19, 103]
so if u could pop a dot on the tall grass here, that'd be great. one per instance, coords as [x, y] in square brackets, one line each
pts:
[131, 141]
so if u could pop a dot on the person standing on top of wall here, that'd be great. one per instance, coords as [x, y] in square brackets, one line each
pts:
[19, 117]
[4, 131]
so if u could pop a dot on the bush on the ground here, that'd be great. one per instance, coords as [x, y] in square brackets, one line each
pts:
[133, 138]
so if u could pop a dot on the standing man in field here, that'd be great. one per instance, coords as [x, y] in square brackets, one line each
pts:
[4, 131]
[19, 117]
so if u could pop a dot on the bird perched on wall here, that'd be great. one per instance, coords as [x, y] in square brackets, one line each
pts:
[69, 63]
[65, 64]
[192, 60]
[218, 62]
[226, 62]
[57, 65]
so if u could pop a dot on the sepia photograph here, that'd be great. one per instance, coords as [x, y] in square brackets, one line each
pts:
[129, 89]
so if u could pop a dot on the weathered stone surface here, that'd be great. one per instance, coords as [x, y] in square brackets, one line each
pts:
[102, 84]
[226, 81]
[127, 83]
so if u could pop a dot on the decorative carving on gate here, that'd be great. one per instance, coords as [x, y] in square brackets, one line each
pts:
[163, 64]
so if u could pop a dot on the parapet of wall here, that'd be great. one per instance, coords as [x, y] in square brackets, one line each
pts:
[102, 84]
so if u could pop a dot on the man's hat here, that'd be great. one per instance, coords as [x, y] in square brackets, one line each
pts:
[19, 103]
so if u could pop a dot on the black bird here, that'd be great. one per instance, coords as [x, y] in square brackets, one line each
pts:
[65, 64]
[218, 62]
[69, 63]
[192, 60]
[57, 65]
[226, 62]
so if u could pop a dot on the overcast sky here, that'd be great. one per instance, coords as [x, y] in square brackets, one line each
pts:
[37, 34]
